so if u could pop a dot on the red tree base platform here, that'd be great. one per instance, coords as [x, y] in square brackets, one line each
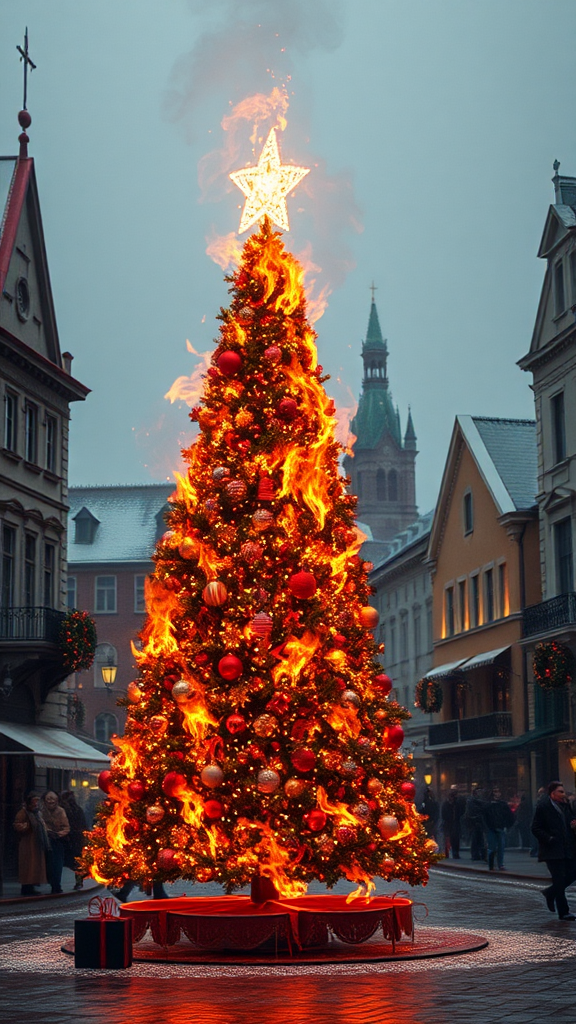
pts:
[236, 923]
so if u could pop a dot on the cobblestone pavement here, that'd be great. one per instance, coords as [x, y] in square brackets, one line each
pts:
[523, 976]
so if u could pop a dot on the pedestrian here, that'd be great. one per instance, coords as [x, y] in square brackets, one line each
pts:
[32, 847]
[58, 828]
[497, 818]
[431, 809]
[524, 814]
[75, 841]
[451, 813]
[553, 825]
[474, 819]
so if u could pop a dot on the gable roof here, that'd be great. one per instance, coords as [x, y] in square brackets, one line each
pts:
[505, 454]
[128, 524]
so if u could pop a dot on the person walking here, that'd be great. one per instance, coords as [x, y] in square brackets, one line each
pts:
[33, 846]
[75, 843]
[474, 819]
[554, 826]
[497, 817]
[57, 826]
[451, 813]
[431, 809]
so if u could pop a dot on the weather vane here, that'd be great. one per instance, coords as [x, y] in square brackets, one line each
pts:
[266, 186]
[28, 63]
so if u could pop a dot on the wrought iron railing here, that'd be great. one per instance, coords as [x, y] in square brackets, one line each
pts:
[30, 624]
[552, 614]
[464, 730]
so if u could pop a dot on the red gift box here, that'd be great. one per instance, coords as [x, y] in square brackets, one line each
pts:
[103, 940]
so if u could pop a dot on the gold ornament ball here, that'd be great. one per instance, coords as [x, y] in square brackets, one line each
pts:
[204, 874]
[369, 617]
[294, 788]
[182, 691]
[388, 826]
[187, 549]
[212, 776]
[265, 725]
[387, 864]
[268, 781]
[350, 699]
[154, 814]
[374, 786]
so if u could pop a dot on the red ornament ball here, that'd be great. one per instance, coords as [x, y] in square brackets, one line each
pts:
[303, 759]
[188, 548]
[215, 594]
[213, 809]
[346, 835]
[104, 780]
[383, 683]
[261, 625]
[408, 790]
[236, 724]
[136, 789]
[166, 860]
[173, 783]
[229, 363]
[302, 585]
[288, 409]
[315, 820]
[273, 354]
[394, 736]
[369, 617]
[262, 519]
[251, 551]
[230, 667]
[388, 826]
[236, 490]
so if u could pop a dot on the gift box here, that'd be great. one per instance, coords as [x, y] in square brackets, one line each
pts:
[103, 940]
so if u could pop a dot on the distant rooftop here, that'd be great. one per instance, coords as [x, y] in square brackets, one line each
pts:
[511, 444]
[126, 520]
[417, 531]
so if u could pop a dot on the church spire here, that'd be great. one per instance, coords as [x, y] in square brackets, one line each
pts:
[374, 352]
[410, 435]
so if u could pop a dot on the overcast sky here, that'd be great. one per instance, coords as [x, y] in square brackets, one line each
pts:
[430, 127]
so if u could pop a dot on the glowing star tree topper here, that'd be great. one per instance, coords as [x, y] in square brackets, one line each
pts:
[266, 186]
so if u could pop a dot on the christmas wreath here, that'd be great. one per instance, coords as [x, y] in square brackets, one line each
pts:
[78, 641]
[429, 695]
[75, 710]
[553, 665]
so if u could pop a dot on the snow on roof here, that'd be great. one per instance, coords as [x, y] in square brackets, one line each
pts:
[127, 521]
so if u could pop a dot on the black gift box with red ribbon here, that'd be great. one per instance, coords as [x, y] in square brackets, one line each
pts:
[103, 940]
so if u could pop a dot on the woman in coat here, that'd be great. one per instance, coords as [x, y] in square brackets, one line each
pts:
[33, 846]
[75, 844]
[58, 828]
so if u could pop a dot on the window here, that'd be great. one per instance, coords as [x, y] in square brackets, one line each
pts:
[404, 638]
[85, 527]
[563, 556]
[558, 427]
[488, 595]
[392, 485]
[474, 601]
[381, 485]
[503, 590]
[449, 611]
[10, 421]
[105, 594]
[51, 443]
[29, 570]
[559, 298]
[31, 433]
[71, 598]
[462, 605]
[105, 726]
[139, 603]
[468, 512]
[8, 553]
[49, 563]
[417, 634]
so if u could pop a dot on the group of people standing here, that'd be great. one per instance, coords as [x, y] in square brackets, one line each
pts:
[51, 836]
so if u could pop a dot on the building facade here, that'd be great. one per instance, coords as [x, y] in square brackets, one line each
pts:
[552, 363]
[112, 535]
[382, 468]
[483, 553]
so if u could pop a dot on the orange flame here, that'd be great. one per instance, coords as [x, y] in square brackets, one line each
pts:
[298, 653]
[189, 389]
[366, 887]
[225, 250]
[274, 860]
[345, 720]
[337, 810]
[197, 719]
[157, 635]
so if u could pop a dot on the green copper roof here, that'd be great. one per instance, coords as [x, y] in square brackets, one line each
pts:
[375, 417]
[374, 334]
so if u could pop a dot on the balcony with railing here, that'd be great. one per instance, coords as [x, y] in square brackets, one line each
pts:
[30, 624]
[555, 613]
[496, 725]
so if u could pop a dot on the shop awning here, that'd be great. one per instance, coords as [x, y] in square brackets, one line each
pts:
[526, 739]
[487, 658]
[52, 748]
[444, 670]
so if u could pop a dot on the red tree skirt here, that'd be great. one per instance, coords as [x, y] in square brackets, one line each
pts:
[236, 923]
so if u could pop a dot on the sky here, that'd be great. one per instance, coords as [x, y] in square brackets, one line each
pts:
[430, 127]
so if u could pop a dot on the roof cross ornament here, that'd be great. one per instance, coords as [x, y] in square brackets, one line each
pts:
[28, 63]
[373, 288]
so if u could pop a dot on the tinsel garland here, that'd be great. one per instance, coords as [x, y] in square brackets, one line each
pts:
[429, 696]
[553, 665]
[78, 641]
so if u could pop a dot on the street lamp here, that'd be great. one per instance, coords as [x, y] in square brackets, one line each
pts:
[573, 763]
[428, 779]
[109, 671]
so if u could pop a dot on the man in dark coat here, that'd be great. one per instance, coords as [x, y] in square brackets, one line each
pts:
[452, 810]
[498, 817]
[554, 825]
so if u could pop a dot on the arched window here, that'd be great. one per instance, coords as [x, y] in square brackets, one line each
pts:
[392, 485]
[105, 654]
[381, 485]
[105, 726]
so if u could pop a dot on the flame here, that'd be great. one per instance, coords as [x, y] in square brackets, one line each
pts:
[344, 415]
[258, 108]
[316, 303]
[127, 760]
[225, 250]
[189, 389]
[274, 861]
[345, 720]
[337, 810]
[366, 887]
[157, 635]
[197, 719]
[297, 654]
[116, 823]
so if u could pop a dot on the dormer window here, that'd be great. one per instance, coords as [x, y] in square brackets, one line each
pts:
[161, 521]
[559, 296]
[468, 513]
[86, 526]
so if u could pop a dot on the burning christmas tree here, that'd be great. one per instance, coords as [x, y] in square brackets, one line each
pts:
[260, 740]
